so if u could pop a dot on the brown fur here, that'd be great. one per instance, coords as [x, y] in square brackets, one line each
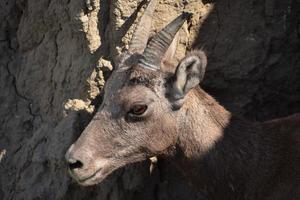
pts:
[238, 159]
[224, 156]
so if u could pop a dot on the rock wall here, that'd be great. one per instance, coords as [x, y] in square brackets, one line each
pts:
[54, 61]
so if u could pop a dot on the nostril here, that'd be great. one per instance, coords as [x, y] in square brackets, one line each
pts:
[74, 164]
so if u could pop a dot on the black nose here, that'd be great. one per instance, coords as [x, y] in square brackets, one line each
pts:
[74, 164]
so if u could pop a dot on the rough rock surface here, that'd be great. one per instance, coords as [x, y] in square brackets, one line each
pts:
[54, 61]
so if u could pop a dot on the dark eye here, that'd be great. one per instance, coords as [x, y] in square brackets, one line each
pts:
[138, 110]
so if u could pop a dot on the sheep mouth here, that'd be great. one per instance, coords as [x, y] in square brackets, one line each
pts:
[86, 179]
[98, 176]
[104, 171]
[93, 174]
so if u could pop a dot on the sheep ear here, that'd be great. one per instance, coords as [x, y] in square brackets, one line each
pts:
[189, 73]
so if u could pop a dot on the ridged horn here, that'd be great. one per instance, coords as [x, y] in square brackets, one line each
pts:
[160, 43]
[141, 35]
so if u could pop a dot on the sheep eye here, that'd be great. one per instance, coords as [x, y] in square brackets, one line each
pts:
[138, 110]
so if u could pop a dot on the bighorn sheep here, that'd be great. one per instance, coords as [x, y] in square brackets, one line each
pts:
[151, 109]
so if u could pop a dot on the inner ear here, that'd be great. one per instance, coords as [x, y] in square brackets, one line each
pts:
[189, 73]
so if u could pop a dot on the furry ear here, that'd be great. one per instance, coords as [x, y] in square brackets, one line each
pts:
[189, 73]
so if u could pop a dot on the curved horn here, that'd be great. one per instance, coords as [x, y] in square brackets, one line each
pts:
[160, 43]
[141, 35]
